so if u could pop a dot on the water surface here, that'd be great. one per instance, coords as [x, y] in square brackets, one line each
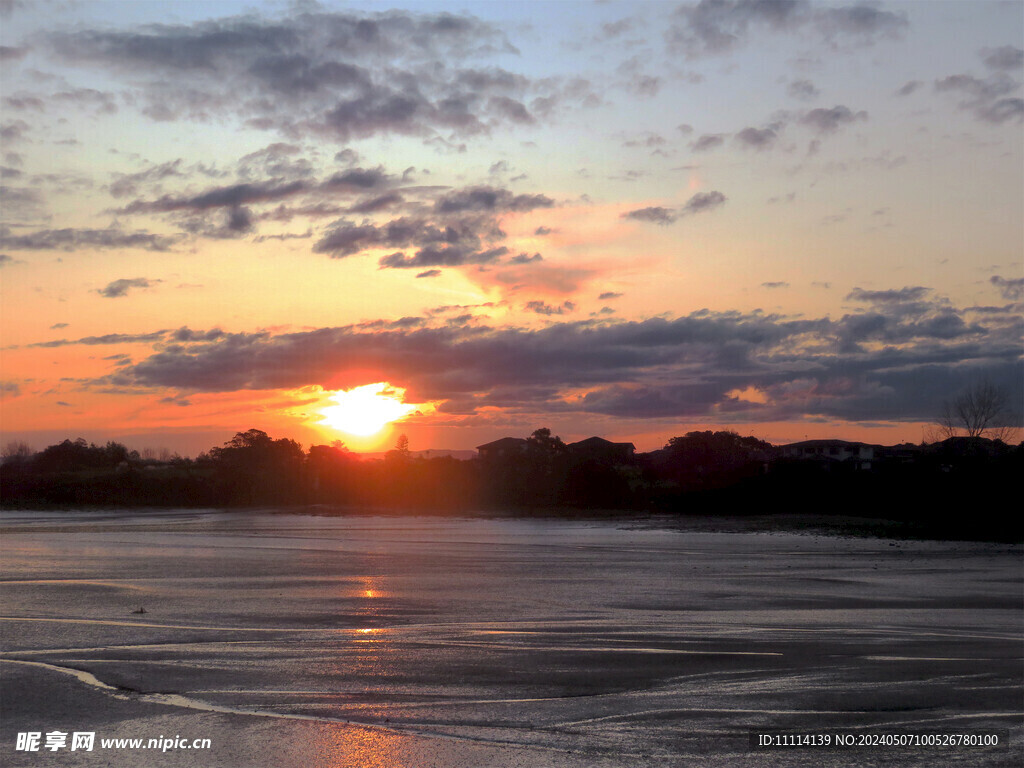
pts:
[298, 640]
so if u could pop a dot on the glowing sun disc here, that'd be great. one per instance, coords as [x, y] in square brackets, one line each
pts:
[366, 410]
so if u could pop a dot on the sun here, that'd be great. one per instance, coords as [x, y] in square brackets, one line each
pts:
[366, 410]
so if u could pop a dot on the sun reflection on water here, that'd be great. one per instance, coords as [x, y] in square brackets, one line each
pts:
[350, 746]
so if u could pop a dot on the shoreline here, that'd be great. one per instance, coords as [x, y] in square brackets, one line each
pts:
[811, 524]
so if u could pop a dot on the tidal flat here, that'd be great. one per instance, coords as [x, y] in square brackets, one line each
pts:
[409, 642]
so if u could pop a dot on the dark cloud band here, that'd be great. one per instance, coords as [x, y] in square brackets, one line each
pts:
[895, 361]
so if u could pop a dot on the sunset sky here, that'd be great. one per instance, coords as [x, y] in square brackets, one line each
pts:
[627, 219]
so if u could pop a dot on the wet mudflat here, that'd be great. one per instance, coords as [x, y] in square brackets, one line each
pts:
[296, 640]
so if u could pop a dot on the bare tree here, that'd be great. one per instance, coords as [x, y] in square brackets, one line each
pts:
[981, 410]
[15, 452]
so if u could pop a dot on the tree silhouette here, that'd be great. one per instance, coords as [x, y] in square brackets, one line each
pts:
[330, 472]
[16, 452]
[701, 460]
[74, 456]
[544, 467]
[254, 468]
[981, 410]
[542, 442]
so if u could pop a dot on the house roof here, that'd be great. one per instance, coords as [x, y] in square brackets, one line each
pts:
[598, 442]
[823, 444]
[504, 442]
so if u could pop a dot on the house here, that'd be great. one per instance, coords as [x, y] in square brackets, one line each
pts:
[502, 449]
[831, 452]
[902, 454]
[602, 451]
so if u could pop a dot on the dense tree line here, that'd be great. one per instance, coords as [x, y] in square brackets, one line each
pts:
[697, 473]
[250, 470]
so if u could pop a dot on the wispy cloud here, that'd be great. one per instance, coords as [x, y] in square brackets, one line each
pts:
[119, 288]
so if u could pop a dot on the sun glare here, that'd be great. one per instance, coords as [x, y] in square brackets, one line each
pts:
[366, 410]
